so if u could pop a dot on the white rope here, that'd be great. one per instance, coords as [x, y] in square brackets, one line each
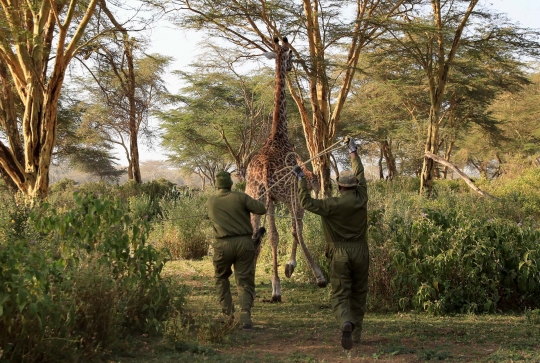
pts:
[329, 149]
[289, 174]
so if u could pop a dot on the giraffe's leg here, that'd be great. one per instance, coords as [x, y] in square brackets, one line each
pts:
[299, 213]
[291, 264]
[274, 239]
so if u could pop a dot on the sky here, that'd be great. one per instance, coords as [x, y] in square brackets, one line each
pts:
[168, 40]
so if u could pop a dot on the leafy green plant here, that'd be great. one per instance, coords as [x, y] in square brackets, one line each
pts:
[433, 354]
[101, 226]
[88, 275]
[456, 253]
[183, 230]
[532, 316]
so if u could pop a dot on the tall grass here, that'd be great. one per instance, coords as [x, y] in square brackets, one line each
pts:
[184, 228]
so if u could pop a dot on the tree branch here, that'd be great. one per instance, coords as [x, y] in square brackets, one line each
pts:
[467, 180]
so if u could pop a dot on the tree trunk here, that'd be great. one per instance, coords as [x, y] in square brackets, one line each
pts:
[432, 142]
[37, 87]
[448, 154]
[390, 160]
[437, 80]
[129, 88]
[381, 171]
[133, 125]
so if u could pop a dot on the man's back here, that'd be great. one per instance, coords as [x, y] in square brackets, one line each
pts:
[230, 213]
[344, 218]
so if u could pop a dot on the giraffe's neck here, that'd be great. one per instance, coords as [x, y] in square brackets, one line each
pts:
[279, 121]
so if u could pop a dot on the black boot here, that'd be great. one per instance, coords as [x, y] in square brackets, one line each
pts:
[346, 335]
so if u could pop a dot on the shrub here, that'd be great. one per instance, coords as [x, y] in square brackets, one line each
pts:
[88, 276]
[101, 226]
[456, 253]
[523, 192]
[200, 326]
[63, 185]
[183, 230]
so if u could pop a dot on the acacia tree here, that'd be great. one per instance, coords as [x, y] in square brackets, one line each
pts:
[197, 158]
[97, 161]
[390, 96]
[436, 62]
[222, 109]
[125, 86]
[319, 85]
[463, 68]
[378, 111]
[122, 99]
[518, 113]
[37, 42]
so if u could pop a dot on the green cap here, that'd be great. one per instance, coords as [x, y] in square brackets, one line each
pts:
[223, 180]
[347, 179]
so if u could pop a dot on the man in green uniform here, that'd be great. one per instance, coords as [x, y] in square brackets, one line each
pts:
[344, 222]
[230, 215]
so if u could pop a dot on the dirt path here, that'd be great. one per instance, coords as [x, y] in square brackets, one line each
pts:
[302, 329]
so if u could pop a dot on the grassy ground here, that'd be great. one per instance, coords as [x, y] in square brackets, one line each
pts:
[302, 329]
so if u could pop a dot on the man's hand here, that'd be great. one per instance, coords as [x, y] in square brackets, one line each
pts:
[351, 144]
[297, 171]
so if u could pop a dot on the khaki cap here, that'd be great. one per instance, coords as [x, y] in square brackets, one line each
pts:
[347, 179]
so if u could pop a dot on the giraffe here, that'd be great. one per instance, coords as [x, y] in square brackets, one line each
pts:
[269, 179]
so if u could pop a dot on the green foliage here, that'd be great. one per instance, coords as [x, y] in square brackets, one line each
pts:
[240, 186]
[63, 185]
[97, 161]
[89, 276]
[221, 116]
[201, 326]
[433, 354]
[88, 270]
[101, 226]
[524, 192]
[145, 198]
[183, 230]
[14, 221]
[532, 316]
[456, 253]
[519, 112]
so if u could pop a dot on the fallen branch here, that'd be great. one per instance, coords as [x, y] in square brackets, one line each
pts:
[463, 176]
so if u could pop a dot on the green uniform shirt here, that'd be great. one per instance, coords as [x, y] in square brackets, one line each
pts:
[344, 218]
[229, 212]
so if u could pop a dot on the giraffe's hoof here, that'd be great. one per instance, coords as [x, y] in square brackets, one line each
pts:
[322, 283]
[289, 269]
[276, 298]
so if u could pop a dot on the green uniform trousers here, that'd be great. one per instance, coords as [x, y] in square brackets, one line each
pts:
[349, 269]
[238, 252]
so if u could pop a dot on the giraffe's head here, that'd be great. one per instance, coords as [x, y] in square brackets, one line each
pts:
[283, 53]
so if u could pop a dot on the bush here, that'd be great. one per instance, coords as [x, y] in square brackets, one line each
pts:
[523, 192]
[63, 185]
[89, 275]
[14, 221]
[183, 230]
[456, 253]
[200, 326]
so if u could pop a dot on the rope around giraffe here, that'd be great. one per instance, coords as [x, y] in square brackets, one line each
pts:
[325, 151]
[289, 175]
